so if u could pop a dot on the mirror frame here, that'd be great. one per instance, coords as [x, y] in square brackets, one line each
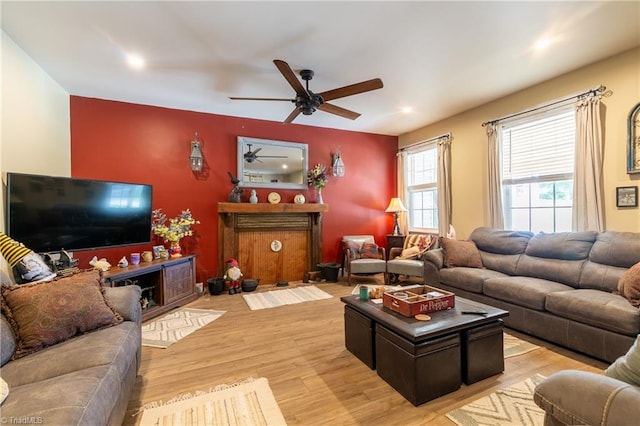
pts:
[243, 142]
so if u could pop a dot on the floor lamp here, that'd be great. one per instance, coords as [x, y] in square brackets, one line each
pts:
[395, 207]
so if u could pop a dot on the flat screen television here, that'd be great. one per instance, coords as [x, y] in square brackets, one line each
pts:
[49, 213]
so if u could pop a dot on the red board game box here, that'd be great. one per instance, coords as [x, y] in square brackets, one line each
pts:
[418, 299]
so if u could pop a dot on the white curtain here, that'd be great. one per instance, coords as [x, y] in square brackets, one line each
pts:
[587, 181]
[444, 185]
[401, 193]
[496, 216]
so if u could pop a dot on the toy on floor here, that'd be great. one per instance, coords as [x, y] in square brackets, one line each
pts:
[232, 275]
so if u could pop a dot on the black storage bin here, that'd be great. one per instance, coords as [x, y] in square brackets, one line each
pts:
[215, 285]
[482, 352]
[329, 271]
[359, 338]
[418, 371]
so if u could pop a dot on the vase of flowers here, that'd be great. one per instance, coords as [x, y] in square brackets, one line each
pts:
[173, 231]
[317, 177]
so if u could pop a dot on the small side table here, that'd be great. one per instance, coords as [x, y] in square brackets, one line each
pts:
[394, 241]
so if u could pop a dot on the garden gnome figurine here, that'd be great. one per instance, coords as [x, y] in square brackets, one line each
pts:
[235, 196]
[232, 275]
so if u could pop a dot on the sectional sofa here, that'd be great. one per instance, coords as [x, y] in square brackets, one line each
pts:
[560, 287]
[87, 376]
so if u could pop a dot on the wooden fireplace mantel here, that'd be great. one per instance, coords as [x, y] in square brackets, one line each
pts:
[247, 231]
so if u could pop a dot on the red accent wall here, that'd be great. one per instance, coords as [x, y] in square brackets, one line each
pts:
[144, 144]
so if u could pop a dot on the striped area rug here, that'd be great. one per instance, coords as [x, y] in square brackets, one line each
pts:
[248, 403]
[163, 332]
[290, 296]
[513, 406]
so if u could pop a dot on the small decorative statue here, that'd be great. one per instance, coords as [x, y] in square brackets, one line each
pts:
[232, 275]
[101, 265]
[235, 196]
[253, 198]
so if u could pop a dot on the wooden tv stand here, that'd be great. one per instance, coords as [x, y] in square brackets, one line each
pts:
[165, 284]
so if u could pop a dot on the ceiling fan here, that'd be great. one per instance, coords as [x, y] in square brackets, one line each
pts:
[307, 102]
[251, 156]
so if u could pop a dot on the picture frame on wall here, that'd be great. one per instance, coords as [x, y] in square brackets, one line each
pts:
[627, 196]
[633, 140]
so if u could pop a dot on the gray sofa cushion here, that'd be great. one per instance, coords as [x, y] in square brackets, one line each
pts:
[597, 308]
[7, 341]
[82, 397]
[506, 263]
[469, 279]
[115, 346]
[500, 241]
[561, 245]
[621, 249]
[627, 367]
[406, 267]
[600, 277]
[522, 291]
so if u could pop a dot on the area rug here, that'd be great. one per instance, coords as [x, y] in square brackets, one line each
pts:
[505, 407]
[514, 346]
[163, 332]
[290, 296]
[248, 403]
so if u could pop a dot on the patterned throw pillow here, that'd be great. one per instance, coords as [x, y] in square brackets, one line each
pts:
[352, 249]
[370, 251]
[416, 244]
[460, 253]
[47, 313]
[411, 253]
[629, 285]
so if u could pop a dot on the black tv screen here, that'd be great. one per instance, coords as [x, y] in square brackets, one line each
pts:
[48, 213]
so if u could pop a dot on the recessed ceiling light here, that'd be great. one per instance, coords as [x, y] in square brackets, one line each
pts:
[135, 61]
[407, 110]
[543, 43]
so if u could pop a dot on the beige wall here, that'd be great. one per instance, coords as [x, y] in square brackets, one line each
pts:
[620, 73]
[35, 135]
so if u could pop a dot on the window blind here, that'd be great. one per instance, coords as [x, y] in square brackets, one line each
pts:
[539, 149]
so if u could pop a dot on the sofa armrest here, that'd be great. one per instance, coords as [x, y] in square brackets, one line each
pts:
[435, 257]
[394, 252]
[126, 301]
[579, 397]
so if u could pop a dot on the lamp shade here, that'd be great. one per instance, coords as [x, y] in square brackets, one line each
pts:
[395, 206]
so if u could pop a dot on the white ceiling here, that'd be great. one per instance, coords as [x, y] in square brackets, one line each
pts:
[439, 58]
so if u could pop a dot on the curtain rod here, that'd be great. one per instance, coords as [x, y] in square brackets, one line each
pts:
[444, 136]
[601, 90]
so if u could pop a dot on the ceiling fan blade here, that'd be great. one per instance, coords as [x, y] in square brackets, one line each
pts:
[352, 89]
[256, 151]
[342, 112]
[236, 98]
[290, 76]
[292, 116]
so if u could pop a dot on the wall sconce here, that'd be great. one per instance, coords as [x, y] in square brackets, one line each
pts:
[337, 166]
[196, 159]
[395, 207]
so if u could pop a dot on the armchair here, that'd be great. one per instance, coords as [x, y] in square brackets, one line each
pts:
[574, 397]
[363, 256]
[408, 260]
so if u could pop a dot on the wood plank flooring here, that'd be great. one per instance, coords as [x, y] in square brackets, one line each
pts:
[315, 380]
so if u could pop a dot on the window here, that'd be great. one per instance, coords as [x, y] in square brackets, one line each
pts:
[422, 188]
[537, 171]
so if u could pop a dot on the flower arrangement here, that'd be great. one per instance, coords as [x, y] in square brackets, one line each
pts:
[317, 177]
[178, 227]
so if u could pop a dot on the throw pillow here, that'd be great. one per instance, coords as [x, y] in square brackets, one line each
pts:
[4, 390]
[422, 241]
[627, 367]
[352, 249]
[370, 251]
[411, 253]
[629, 285]
[47, 313]
[26, 265]
[460, 253]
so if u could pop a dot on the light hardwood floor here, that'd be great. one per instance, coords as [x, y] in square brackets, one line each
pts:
[316, 381]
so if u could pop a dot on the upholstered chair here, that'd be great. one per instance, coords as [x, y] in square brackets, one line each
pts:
[407, 260]
[363, 256]
[573, 397]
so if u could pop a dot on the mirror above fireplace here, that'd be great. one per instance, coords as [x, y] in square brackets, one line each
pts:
[265, 163]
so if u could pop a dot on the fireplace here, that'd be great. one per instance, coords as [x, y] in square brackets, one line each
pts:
[272, 242]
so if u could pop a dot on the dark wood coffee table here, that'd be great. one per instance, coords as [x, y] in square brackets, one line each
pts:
[423, 360]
